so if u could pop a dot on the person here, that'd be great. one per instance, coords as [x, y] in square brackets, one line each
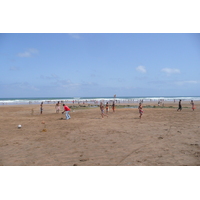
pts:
[102, 110]
[113, 106]
[41, 107]
[66, 109]
[57, 107]
[140, 110]
[107, 108]
[179, 106]
[193, 107]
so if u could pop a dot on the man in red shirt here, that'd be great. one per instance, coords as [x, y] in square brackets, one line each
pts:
[66, 109]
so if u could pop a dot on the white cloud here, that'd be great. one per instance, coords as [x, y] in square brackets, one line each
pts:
[69, 85]
[14, 68]
[187, 82]
[74, 35]
[192, 82]
[28, 53]
[25, 54]
[23, 86]
[141, 69]
[60, 83]
[169, 71]
[50, 77]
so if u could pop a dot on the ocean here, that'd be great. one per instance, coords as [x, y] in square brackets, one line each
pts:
[93, 100]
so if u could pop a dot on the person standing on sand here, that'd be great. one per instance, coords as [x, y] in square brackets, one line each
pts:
[41, 108]
[113, 106]
[140, 110]
[179, 106]
[107, 108]
[57, 107]
[66, 109]
[102, 110]
[193, 107]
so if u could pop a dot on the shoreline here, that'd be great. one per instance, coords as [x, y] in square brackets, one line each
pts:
[95, 100]
[119, 103]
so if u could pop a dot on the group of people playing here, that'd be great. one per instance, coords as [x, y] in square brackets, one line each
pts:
[113, 108]
[107, 109]
[66, 109]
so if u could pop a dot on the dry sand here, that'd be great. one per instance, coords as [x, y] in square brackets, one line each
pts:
[163, 137]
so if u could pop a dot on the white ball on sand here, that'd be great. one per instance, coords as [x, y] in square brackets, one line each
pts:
[19, 126]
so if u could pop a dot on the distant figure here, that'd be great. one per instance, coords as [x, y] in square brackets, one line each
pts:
[107, 108]
[66, 109]
[193, 107]
[113, 106]
[102, 110]
[179, 106]
[41, 108]
[140, 110]
[57, 107]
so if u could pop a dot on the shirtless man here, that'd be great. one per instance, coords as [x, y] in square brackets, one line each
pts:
[179, 106]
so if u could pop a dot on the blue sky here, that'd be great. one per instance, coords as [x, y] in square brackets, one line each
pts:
[99, 64]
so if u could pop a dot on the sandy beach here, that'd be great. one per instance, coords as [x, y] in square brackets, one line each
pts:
[163, 137]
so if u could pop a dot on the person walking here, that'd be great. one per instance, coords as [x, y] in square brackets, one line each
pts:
[67, 110]
[57, 107]
[193, 107]
[113, 106]
[179, 106]
[140, 110]
[107, 108]
[41, 107]
[102, 110]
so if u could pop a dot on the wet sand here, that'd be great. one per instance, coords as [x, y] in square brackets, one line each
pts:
[163, 137]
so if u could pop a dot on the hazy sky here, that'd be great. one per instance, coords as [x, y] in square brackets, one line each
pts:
[89, 65]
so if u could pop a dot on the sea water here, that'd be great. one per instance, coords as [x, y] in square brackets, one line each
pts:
[94, 100]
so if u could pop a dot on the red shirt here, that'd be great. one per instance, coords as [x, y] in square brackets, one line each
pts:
[66, 108]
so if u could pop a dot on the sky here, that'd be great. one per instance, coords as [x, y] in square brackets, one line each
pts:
[99, 64]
